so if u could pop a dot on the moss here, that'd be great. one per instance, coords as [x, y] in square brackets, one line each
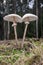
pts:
[29, 54]
[37, 43]
[32, 60]
[15, 51]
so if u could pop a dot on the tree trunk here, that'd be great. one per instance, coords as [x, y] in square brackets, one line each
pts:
[37, 19]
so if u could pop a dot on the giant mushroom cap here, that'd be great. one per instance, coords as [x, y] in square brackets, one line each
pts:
[29, 17]
[13, 18]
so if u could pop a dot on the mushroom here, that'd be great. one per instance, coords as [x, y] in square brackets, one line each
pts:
[27, 18]
[13, 18]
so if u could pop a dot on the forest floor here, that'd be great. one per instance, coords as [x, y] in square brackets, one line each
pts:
[13, 54]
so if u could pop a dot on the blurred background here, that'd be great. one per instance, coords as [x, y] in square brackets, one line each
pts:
[21, 7]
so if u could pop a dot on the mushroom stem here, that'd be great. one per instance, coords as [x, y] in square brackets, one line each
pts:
[25, 33]
[14, 24]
